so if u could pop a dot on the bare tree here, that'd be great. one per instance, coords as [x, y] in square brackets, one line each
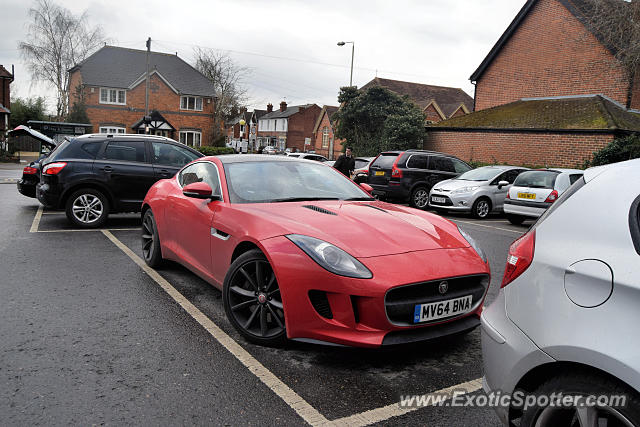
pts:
[56, 41]
[228, 80]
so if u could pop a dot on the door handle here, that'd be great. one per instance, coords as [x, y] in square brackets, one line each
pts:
[164, 172]
[107, 169]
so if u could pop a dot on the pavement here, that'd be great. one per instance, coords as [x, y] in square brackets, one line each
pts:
[10, 173]
[91, 336]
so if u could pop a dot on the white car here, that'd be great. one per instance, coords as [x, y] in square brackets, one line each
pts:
[533, 192]
[565, 321]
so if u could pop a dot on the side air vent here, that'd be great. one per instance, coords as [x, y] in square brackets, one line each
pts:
[319, 209]
[320, 302]
[376, 208]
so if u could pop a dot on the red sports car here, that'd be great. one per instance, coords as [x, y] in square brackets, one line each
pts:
[301, 252]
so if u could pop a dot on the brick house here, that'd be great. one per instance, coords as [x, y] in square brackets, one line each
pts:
[239, 128]
[288, 127]
[112, 83]
[437, 102]
[569, 69]
[324, 140]
[5, 100]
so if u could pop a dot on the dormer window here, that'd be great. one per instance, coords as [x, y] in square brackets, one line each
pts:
[113, 96]
[191, 103]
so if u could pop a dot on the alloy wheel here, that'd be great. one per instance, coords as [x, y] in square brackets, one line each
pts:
[482, 208]
[148, 241]
[87, 208]
[421, 198]
[255, 300]
[583, 416]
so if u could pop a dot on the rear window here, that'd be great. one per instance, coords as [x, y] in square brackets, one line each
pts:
[574, 177]
[536, 179]
[385, 161]
[76, 150]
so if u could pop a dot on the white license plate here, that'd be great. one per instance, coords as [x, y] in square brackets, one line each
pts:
[438, 199]
[442, 309]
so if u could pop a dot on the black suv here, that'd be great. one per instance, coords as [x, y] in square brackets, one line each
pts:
[409, 175]
[94, 175]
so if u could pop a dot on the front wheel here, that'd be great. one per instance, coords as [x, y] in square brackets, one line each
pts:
[252, 300]
[515, 219]
[87, 208]
[419, 198]
[481, 208]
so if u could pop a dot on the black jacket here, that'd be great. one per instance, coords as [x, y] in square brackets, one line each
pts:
[345, 164]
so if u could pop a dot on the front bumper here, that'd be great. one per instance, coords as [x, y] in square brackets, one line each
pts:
[358, 314]
[507, 353]
[453, 202]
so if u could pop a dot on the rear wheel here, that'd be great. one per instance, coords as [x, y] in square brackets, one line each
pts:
[419, 198]
[252, 299]
[481, 208]
[87, 208]
[515, 219]
[151, 252]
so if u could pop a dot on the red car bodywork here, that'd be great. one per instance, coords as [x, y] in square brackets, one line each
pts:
[399, 245]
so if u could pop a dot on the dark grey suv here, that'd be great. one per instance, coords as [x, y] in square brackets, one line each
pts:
[94, 175]
[409, 175]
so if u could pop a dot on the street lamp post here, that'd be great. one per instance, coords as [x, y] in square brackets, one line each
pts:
[352, 50]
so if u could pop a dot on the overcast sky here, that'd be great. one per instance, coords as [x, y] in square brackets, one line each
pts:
[290, 46]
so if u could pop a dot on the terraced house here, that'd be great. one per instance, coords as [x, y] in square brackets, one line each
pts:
[112, 83]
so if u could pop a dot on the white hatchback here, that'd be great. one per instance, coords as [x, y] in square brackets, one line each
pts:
[533, 192]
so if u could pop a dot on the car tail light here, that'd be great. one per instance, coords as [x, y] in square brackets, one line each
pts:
[520, 257]
[508, 196]
[395, 172]
[53, 168]
[552, 197]
[28, 170]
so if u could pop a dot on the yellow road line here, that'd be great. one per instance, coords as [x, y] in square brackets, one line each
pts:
[36, 220]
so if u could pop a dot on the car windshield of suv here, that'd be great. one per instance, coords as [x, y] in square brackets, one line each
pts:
[480, 174]
[385, 161]
[536, 179]
[288, 181]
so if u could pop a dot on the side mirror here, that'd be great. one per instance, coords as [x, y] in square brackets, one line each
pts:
[366, 187]
[502, 184]
[200, 190]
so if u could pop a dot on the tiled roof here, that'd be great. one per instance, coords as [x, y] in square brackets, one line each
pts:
[584, 113]
[448, 98]
[290, 111]
[120, 67]
[5, 73]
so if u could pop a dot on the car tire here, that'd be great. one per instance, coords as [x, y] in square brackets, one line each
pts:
[419, 198]
[252, 300]
[582, 384]
[151, 251]
[515, 219]
[481, 208]
[87, 208]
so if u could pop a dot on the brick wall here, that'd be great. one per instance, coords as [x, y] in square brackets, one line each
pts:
[551, 54]
[432, 114]
[317, 141]
[301, 126]
[161, 98]
[519, 148]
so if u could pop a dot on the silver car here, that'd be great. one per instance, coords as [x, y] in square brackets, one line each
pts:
[479, 191]
[565, 321]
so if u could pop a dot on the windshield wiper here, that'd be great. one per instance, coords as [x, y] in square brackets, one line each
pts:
[358, 199]
[302, 199]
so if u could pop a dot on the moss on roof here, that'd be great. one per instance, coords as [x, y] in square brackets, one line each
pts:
[577, 113]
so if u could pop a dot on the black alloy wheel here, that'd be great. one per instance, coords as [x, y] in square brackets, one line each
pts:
[252, 299]
[151, 252]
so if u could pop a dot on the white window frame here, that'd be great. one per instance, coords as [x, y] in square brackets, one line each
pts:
[325, 137]
[112, 130]
[195, 103]
[117, 92]
[197, 138]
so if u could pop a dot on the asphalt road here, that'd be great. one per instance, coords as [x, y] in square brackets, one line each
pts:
[88, 337]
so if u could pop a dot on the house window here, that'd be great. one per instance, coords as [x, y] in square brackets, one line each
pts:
[112, 129]
[325, 137]
[241, 128]
[191, 138]
[113, 96]
[191, 103]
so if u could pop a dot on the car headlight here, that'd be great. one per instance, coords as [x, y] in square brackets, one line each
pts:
[464, 190]
[473, 244]
[330, 257]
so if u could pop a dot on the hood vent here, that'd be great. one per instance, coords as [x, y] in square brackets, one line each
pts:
[319, 209]
[376, 208]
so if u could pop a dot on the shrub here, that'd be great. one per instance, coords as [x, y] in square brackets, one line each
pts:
[215, 151]
[618, 150]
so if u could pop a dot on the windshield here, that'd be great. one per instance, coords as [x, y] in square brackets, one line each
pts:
[480, 174]
[536, 179]
[288, 181]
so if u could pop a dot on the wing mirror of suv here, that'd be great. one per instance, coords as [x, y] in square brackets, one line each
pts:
[200, 190]
[502, 184]
[366, 187]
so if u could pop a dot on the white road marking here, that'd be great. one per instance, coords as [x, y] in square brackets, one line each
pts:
[76, 230]
[36, 220]
[488, 226]
[381, 414]
[290, 397]
[52, 213]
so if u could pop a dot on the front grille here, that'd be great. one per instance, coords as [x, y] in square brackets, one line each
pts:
[321, 304]
[400, 302]
[447, 201]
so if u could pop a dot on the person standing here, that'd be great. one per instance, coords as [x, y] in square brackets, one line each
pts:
[346, 163]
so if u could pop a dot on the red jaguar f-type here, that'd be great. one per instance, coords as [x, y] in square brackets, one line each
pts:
[301, 252]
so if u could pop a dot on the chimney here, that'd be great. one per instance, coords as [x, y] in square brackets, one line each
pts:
[269, 107]
[283, 106]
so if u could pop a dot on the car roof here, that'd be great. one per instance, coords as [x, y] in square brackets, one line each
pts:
[123, 136]
[501, 167]
[246, 158]
[561, 170]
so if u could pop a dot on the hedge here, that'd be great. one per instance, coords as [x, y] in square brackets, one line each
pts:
[215, 151]
[618, 150]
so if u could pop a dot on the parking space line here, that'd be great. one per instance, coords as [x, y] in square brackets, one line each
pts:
[290, 397]
[53, 213]
[36, 220]
[488, 226]
[394, 410]
[76, 230]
